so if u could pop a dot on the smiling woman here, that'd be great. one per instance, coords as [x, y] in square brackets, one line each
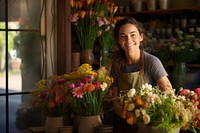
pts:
[132, 68]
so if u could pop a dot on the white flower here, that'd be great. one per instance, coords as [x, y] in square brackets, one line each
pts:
[192, 92]
[143, 111]
[146, 118]
[131, 93]
[147, 87]
[156, 99]
[103, 86]
[137, 112]
[131, 106]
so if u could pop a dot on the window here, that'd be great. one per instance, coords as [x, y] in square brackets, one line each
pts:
[26, 49]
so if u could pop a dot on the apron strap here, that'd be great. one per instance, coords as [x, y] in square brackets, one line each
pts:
[141, 62]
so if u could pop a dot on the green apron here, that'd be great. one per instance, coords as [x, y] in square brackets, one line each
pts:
[127, 81]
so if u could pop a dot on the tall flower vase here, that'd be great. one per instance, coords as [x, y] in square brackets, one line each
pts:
[87, 56]
[52, 124]
[180, 74]
[105, 55]
[87, 124]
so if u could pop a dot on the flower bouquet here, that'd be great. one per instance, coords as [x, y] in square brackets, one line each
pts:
[87, 89]
[152, 107]
[105, 36]
[194, 98]
[51, 97]
[85, 15]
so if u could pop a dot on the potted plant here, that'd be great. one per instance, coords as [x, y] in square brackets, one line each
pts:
[50, 96]
[84, 17]
[87, 89]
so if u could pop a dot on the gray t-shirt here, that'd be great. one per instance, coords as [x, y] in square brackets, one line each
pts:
[153, 69]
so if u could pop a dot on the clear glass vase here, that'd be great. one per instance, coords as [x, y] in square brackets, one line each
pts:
[105, 56]
[180, 75]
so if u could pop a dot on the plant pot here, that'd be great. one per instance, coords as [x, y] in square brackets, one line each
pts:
[104, 129]
[66, 129]
[164, 4]
[52, 124]
[75, 60]
[151, 4]
[136, 6]
[87, 124]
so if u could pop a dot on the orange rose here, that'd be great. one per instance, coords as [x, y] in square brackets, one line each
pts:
[138, 100]
[130, 118]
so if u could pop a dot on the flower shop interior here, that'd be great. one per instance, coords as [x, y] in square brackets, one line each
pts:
[39, 42]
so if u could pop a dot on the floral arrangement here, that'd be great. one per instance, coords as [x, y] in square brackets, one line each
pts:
[51, 97]
[85, 15]
[194, 98]
[152, 107]
[88, 88]
[179, 48]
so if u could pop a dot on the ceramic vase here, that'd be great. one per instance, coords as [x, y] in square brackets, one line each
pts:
[87, 56]
[87, 124]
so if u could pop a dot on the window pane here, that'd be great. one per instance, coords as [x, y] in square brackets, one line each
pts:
[25, 60]
[2, 14]
[14, 63]
[25, 12]
[14, 105]
[3, 114]
[22, 115]
[2, 61]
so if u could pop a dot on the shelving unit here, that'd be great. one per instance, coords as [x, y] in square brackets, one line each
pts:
[162, 12]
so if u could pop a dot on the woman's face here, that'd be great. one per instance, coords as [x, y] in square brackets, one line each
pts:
[129, 37]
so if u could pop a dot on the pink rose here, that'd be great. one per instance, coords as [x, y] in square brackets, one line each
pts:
[197, 90]
[71, 85]
[184, 92]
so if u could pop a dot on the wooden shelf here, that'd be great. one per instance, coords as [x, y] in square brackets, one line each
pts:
[162, 12]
